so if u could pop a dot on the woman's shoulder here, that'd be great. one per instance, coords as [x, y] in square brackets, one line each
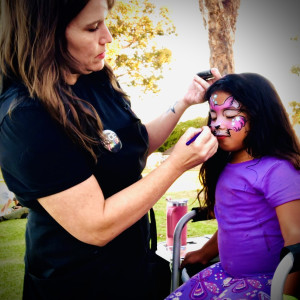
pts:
[16, 97]
[14, 103]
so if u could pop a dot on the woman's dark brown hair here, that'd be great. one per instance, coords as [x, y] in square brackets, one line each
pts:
[33, 51]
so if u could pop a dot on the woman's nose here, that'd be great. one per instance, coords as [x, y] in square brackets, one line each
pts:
[106, 37]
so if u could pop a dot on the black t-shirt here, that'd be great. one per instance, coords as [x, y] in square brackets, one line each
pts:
[38, 159]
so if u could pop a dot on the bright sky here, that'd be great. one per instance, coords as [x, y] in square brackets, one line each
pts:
[263, 45]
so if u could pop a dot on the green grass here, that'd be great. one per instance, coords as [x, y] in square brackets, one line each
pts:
[193, 229]
[12, 247]
[12, 243]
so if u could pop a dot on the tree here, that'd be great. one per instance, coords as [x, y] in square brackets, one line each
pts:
[134, 55]
[221, 17]
[296, 68]
[296, 112]
[295, 105]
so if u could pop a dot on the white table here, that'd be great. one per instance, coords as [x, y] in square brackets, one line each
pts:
[193, 243]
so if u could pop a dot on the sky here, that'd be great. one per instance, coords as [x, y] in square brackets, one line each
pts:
[262, 45]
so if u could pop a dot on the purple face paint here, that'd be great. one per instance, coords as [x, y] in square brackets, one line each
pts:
[225, 117]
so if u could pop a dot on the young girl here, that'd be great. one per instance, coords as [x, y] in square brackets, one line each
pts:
[252, 184]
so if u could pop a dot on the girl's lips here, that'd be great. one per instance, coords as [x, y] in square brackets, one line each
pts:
[221, 137]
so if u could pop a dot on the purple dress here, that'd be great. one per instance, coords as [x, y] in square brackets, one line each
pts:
[249, 236]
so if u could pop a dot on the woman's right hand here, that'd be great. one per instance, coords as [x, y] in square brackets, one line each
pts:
[186, 157]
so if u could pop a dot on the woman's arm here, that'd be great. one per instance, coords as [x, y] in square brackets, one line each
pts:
[84, 213]
[288, 216]
[160, 128]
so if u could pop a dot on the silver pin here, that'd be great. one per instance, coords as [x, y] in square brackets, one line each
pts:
[112, 142]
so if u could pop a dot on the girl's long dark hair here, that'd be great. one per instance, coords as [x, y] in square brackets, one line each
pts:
[270, 133]
[33, 51]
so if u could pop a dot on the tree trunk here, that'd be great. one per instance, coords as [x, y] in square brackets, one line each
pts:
[221, 17]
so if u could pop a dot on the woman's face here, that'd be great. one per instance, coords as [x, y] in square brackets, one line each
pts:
[87, 36]
[228, 123]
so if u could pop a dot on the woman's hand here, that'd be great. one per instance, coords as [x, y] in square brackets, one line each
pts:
[185, 156]
[198, 87]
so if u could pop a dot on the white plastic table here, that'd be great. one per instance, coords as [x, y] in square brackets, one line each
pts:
[193, 243]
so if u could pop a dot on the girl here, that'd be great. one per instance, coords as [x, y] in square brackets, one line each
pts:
[252, 184]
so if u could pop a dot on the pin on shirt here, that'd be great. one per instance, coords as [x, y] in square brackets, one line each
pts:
[112, 142]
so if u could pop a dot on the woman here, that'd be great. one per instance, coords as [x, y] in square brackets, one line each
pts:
[72, 151]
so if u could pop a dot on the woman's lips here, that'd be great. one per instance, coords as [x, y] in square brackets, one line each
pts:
[101, 55]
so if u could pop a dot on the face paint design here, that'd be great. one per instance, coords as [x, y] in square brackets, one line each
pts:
[225, 117]
[112, 142]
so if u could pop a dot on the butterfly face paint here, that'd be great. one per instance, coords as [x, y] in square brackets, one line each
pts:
[225, 116]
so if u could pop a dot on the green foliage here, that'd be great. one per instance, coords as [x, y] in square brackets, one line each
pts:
[179, 130]
[296, 112]
[133, 54]
[295, 105]
[296, 70]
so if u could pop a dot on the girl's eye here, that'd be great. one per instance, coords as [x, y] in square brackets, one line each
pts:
[231, 114]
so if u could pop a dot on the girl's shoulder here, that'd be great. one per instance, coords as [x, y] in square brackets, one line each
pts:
[264, 168]
[271, 162]
[265, 163]
[280, 181]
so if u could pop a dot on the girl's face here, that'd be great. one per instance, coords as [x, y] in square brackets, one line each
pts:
[228, 123]
[87, 36]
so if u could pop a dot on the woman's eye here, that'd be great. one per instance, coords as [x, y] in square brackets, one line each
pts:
[94, 28]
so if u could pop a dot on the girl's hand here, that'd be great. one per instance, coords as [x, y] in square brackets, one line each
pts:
[198, 87]
[193, 257]
[205, 254]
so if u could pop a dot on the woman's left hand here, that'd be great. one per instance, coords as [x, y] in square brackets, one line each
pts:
[198, 87]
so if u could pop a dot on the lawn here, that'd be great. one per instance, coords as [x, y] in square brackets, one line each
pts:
[12, 247]
[12, 244]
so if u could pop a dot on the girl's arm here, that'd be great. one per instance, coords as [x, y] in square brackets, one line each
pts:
[160, 128]
[85, 214]
[288, 216]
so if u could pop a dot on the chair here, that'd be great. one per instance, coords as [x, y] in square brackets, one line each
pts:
[195, 215]
[290, 257]
[289, 263]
